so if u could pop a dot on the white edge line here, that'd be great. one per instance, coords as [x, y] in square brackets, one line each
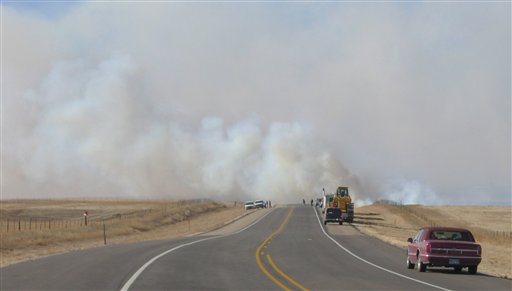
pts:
[134, 277]
[372, 264]
[250, 225]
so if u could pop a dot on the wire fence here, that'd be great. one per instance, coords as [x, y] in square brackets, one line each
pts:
[16, 224]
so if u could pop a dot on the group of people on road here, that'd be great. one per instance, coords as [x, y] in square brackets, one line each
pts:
[304, 202]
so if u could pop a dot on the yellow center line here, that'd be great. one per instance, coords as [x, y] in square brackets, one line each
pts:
[265, 271]
[262, 266]
[284, 275]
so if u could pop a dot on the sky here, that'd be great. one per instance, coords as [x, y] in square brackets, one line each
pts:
[406, 101]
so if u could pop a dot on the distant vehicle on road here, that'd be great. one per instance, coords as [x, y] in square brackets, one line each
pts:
[444, 247]
[259, 204]
[333, 215]
[341, 200]
[249, 205]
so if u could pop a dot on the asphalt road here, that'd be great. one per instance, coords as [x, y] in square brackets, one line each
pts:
[273, 249]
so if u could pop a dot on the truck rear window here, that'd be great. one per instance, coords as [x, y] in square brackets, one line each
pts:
[451, 235]
[333, 212]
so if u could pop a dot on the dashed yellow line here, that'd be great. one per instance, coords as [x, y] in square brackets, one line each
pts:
[259, 253]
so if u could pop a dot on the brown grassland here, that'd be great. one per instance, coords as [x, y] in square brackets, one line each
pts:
[34, 228]
[491, 226]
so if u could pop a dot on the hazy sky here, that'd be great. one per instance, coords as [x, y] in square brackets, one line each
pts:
[403, 101]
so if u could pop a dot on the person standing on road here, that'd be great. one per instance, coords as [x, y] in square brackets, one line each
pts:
[303, 202]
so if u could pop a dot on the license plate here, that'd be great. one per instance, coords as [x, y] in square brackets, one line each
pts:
[454, 261]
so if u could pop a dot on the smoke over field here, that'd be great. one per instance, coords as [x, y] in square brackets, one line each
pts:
[95, 133]
[239, 101]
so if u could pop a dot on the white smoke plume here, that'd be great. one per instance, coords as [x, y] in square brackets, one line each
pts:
[247, 100]
[96, 136]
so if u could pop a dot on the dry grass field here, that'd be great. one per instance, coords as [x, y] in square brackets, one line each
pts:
[491, 226]
[31, 229]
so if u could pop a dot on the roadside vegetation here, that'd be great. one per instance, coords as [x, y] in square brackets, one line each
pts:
[35, 228]
[491, 226]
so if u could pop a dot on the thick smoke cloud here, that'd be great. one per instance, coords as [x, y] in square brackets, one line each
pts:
[239, 101]
[94, 126]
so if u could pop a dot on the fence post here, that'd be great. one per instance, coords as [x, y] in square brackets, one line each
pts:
[7, 225]
[104, 234]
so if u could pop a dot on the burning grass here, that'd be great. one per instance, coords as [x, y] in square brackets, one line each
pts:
[489, 224]
[30, 229]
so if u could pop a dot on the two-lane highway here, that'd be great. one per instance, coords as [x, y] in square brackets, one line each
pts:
[282, 248]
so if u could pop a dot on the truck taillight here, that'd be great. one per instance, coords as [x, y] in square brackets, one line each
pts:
[479, 250]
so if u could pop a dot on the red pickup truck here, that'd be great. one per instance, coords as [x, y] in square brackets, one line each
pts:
[444, 247]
